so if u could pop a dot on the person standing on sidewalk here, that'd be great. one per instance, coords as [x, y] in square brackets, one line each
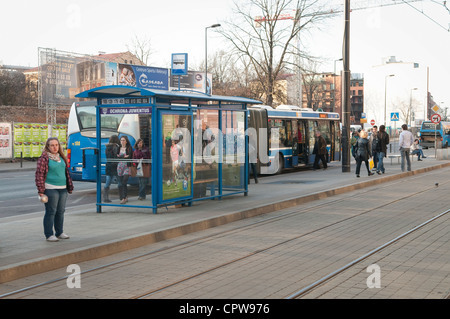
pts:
[405, 142]
[383, 141]
[111, 151]
[53, 180]
[362, 153]
[320, 150]
[373, 145]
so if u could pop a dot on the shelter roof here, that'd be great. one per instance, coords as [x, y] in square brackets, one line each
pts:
[131, 91]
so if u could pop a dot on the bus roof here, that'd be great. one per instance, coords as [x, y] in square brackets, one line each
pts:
[302, 114]
[130, 91]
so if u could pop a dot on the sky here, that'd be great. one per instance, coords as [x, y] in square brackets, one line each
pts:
[178, 26]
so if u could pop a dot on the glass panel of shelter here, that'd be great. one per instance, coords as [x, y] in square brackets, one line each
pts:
[121, 181]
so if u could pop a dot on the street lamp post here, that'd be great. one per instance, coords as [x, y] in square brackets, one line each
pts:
[334, 85]
[410, 106]
[385, 89]
[206, 54]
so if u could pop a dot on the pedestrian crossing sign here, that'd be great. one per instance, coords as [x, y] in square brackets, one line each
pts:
[395, 116]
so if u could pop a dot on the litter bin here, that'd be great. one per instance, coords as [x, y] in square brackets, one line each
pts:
[89, 171]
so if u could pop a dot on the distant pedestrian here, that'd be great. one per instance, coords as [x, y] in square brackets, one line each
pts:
[320, 150]
[111, 151]
[416, 149]
[383, 141]
[53, 180]
[373, 144]
[362, 153]
[123, 167]
[405, 142]
[353, 140]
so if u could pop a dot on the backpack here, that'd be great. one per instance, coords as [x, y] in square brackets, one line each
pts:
[376, 145]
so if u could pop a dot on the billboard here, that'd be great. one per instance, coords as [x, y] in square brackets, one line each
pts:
[193, 80]
[145, 77]
[57, 75]
[62, 75]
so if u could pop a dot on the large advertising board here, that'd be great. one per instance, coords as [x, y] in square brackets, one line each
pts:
[193, 81]
[145, 77]
[63, 75]
[57, 79]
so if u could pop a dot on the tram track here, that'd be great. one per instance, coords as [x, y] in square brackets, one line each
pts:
[264, 221]
[302, 292]
[322, 280]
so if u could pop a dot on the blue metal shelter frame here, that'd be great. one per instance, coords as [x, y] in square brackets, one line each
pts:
[162, 102]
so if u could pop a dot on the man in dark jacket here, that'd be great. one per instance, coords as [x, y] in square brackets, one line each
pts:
[383, 139]
[320, 149]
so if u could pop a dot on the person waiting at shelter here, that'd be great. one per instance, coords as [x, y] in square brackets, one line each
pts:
[141, 153]
[123, 167]
[416, 149]
[111, 151]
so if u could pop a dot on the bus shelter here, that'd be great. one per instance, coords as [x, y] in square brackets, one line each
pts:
[197, 147]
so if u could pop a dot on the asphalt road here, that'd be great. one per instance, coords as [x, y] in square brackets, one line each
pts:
[18, 194]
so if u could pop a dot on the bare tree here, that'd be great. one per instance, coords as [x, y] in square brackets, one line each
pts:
[16, 89]
[259, 35]
[141, 48]
[231, 75]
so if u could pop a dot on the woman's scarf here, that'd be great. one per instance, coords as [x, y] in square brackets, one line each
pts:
[54, 157]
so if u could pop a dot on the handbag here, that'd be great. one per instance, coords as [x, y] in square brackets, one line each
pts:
[140, 170]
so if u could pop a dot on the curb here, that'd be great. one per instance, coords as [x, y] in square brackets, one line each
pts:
[34, 267]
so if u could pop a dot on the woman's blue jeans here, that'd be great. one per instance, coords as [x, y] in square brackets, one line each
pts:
[380, 164]
[54, 211]
[143, 181]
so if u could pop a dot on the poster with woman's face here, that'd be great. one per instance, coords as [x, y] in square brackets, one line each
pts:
[6, 151]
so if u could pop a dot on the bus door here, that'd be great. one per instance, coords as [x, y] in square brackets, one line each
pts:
[301, 146]
[294, 144]
[175, 150]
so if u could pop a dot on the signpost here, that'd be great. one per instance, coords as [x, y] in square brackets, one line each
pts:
[372, 122]
[436, 119]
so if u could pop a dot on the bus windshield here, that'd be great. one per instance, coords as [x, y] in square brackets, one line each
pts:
[430, 126]
[86, 115]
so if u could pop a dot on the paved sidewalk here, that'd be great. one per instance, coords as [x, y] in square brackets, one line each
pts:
[24, 251]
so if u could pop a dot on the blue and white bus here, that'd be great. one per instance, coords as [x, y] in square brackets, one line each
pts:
[431, 133]
[81, 134]
[294, 141]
